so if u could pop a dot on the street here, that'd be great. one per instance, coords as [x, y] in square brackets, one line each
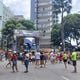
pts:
[51, 72]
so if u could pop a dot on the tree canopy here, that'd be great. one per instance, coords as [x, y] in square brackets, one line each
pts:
[72, 27]
[14, 24]
[59, 4]
[11, 25]
[56, 35]
[71, 30]
[29, 25]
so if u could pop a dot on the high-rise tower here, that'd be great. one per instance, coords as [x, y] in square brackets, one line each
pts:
[43, 17]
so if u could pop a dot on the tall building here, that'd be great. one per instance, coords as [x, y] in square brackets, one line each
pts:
[33, 10]
[43, 17]
[5, 14]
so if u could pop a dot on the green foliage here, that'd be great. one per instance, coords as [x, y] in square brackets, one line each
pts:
[14, 24]
[28, 24]
[72, 23]
[11, 25]
[72, 26]
[71, 30]
[65, 4]
[56, 35]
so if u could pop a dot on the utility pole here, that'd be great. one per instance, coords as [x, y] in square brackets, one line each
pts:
[62, 26]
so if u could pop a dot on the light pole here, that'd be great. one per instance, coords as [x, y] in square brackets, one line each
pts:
[62, 26]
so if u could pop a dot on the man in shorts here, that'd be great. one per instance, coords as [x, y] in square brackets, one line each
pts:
[14, 62]
[74, 60]
[37, 58]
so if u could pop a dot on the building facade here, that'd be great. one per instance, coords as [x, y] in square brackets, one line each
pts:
[18, 17]
[5, 14]
[43, 16]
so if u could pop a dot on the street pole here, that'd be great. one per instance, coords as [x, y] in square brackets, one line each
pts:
[62, 27]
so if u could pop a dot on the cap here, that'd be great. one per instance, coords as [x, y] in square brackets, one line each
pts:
[27, 55]
[14, 52]
[9, 50]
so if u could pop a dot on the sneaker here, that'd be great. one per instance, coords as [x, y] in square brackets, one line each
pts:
[74, 72]
[25, 71]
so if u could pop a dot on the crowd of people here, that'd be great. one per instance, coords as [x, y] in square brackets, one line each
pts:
[66, 57]
[40, 58]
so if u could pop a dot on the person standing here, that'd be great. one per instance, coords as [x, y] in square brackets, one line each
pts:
[74, 60]
[26, 61]
[60, 58]
[65, 58]
[45, 58]
[14, 62]
[37, 58]
[52, 57]
[9, 57]
[33, 57]
[42, 59]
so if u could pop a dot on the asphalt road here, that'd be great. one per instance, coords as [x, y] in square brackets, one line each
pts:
[51, 72]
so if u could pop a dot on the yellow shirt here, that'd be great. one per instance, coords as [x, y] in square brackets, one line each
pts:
[74, 56]
[64, 56]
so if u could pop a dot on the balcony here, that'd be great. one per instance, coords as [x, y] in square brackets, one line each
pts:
[44, 4]
[43, 1]
[44, 17]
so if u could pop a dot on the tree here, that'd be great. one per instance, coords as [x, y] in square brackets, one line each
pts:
[72, 27]
[28, 24]
[55, 35]
[14, 24]
[8, 32]
[62, 6]
[11, 25]
[71, 31]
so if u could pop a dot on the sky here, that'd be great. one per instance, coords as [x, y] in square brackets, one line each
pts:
[22, 7]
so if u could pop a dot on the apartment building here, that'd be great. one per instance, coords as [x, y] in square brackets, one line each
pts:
[43, 16]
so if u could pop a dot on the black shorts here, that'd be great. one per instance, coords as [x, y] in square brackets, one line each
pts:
[74, 63]
[65, 60]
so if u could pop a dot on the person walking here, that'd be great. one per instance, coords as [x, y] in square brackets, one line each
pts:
[52, 57]
[37, 58]
[74, 60]
[9, 57]
[14, 62]
[26, 61]
[33, 57]
[42, 60]
[65, 58]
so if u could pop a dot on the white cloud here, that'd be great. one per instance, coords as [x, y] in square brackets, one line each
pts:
[19, 7]
[75, 6]
[23, 6]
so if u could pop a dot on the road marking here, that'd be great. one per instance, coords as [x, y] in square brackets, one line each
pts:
[65, 78]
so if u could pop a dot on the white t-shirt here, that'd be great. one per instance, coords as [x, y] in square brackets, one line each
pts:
[51, 55]
[37, 55]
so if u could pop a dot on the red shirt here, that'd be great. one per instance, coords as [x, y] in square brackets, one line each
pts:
[14, 57]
